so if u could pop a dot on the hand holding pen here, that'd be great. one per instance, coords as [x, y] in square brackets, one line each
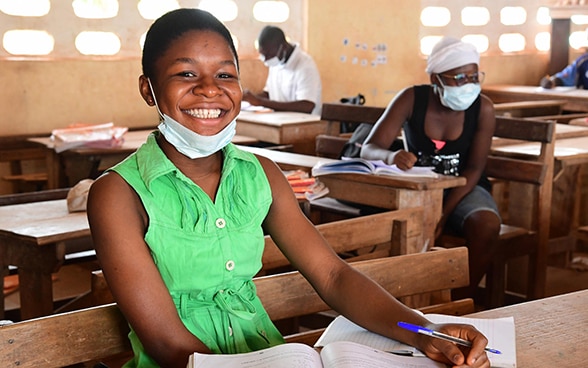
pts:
[440, 335]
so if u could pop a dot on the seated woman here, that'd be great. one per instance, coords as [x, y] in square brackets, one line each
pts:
[449, 125]
[179, 225]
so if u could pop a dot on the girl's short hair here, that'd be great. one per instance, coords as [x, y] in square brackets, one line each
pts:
[174, 24]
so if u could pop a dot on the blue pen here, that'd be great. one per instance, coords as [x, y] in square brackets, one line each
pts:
[440, 335]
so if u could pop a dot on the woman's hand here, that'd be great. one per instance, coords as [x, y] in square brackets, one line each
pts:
[403, 159]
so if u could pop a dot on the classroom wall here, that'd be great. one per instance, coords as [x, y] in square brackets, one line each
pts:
[395, 24]
[38, 96]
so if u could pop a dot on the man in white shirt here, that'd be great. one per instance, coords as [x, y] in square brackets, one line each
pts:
[293, 81]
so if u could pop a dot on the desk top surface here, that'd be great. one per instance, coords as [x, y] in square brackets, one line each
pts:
[565, 149]
[277, 118]
[558, 92]
[550, 331]
[132, 141]
[287, 158]
[42, 222]
[398, 182]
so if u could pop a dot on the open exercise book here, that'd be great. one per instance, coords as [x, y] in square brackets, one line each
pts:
[361, 166]
[346, 345]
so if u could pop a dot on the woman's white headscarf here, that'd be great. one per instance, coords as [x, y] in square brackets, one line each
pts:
[450, 53]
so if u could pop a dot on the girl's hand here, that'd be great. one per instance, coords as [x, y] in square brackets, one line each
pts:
[457, 355]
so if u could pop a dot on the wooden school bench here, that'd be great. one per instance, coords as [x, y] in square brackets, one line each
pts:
[27, 164]
[381, 235]
[85, 337]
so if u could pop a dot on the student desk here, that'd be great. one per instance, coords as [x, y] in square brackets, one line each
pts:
[288, 160]
[282, 127]
[576, 99]
[550, 332]
[396, 193]
[32, 238]
[66, 168]
[570, 155]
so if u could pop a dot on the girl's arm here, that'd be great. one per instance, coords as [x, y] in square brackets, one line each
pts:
[342, 287]
[118, 223]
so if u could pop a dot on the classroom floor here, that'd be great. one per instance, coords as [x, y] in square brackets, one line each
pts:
[73, 280]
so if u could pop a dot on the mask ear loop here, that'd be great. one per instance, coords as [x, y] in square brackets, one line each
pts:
[154, 99]
[437, 88]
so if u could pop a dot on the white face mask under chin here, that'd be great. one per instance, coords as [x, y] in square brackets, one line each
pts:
[190, 143]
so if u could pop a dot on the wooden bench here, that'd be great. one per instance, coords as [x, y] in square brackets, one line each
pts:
[336, 114]
[87, 336]
[563, 118]
[582, 233]
[379, 235]
[17, 151]
[525, 179]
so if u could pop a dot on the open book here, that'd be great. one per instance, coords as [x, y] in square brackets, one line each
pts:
[347, 345]
[500, 333]
[340, 354]
[361, 166]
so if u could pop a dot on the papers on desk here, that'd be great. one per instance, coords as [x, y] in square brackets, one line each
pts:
[499, 331]
[246, 106]
[557, 89]
[94, 136]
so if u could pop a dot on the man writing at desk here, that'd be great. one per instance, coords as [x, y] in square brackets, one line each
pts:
[293, 81]
[573, 75]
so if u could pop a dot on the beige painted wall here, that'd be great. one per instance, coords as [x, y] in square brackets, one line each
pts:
[38, 96]
[395, 23]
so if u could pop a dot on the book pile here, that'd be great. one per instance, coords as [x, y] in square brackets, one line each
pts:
[304, 186]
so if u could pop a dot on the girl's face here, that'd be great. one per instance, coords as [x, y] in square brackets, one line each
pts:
[196, 82]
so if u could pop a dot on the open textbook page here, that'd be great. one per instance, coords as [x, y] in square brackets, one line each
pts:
[341, 354]
[361, 166]
[499, 331]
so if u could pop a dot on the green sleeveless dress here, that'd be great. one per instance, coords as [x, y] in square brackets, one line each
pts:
[207, 252]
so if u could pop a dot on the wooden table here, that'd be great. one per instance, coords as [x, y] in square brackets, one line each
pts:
[288, 160]
[33, 238]
[550, 332]
[282, 127]
[576, 99]
[396, 193]
[67, 168]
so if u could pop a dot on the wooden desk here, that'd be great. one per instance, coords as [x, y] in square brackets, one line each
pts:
[396, 193]
[67, 168]
[550, 332]
[32, 238]
[529, 108]
[282, 127]
[576, 99]
[562, 131]
[570, 155]
[287, 160]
